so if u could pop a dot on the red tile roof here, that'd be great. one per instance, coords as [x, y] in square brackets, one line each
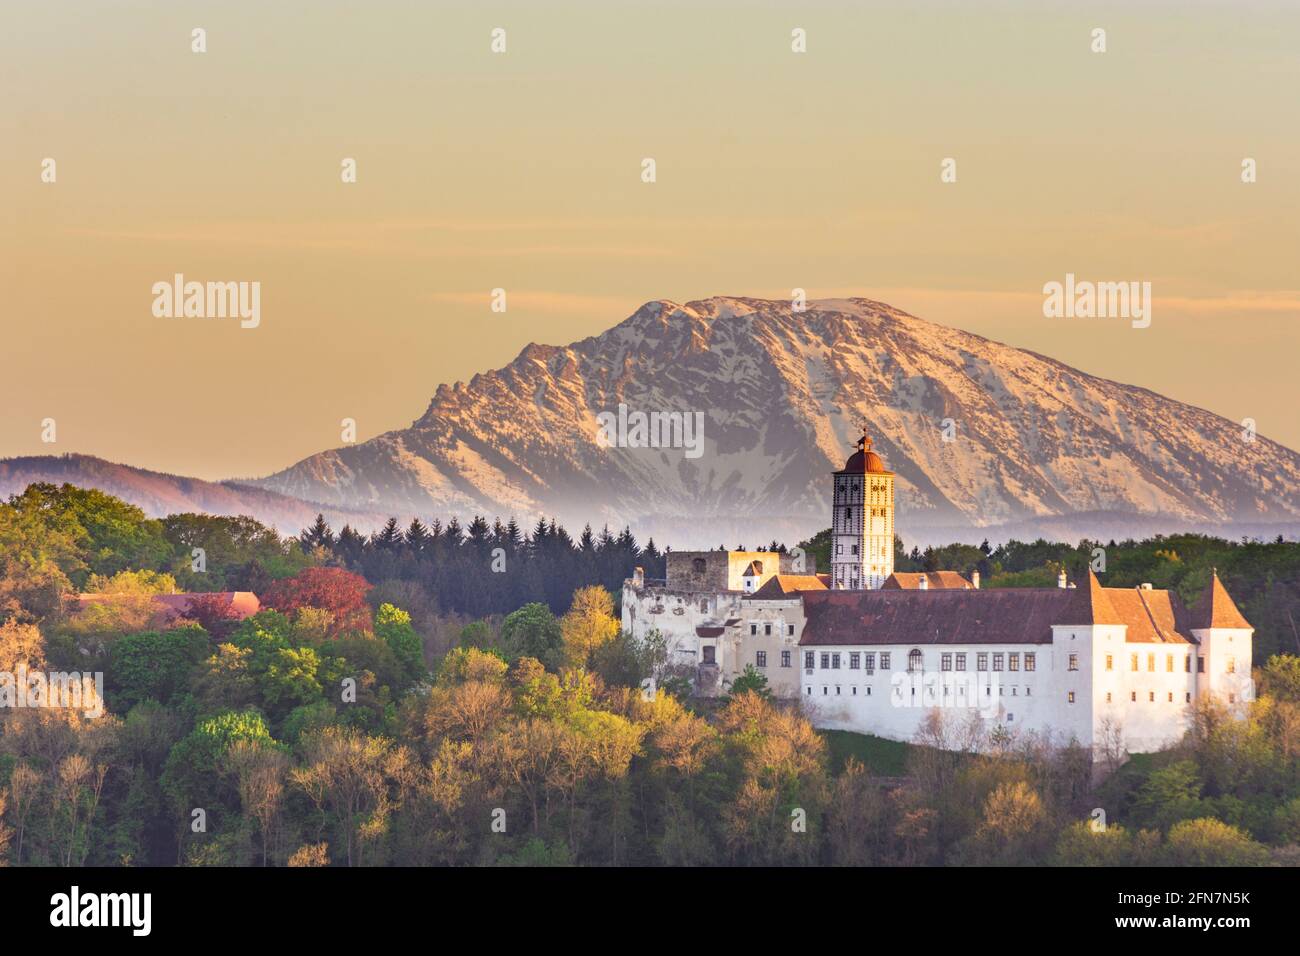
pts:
[786, 586]
[1216, 608]
[935, 580]
[1153, 617]
[1091, 604]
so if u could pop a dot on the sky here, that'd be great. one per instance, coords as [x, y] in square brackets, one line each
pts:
[522, 170]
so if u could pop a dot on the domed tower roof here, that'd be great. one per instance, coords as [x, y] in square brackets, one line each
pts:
[864, 460]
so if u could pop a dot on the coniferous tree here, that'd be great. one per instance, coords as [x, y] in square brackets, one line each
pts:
[417, 537]
[388, 538]
[318, 535]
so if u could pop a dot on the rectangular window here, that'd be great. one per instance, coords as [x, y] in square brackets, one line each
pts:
[1110, 662]
[835, 662]
[1151, 697]
[760, 658]
[997, 662]
[1232, 665]
[884, 661]
[1013, 662]
[855, 661]
[1074, 662]
[785, 658]
[1133, 696]
[945, 662]
[808, 659]
[961, 662]
[1134, 660]
[710, 654]
[767, 630]
[871, 663]
[1187, 664]
[789, 629]
[753, 630]
[826, 660]
[1108, 697]
[1070, 698]
[1200, 665]
[1169, 663]
[981, 662]
[1029, 661]
[1151, 663]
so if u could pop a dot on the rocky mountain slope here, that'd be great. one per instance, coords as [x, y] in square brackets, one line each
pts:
[1034, 443]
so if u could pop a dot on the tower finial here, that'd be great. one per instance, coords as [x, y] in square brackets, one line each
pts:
[864, 442]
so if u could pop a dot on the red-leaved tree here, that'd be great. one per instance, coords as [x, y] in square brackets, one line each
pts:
[340, 592]
[214, 613]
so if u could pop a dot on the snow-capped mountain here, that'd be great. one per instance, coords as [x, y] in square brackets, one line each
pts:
[1032, 441]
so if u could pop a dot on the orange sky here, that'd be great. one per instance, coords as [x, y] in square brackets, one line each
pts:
[522, 170]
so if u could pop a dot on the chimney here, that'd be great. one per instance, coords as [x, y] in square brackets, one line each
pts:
[1060, 579]
[975, 580]
[925, 582]
[638, 578]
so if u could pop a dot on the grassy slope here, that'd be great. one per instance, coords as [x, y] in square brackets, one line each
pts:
[884, 758]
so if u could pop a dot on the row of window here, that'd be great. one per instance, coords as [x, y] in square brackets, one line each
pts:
[767, 629]
[947, 691]
[1169, 663]
[1151, 697]
[853, 551]
[831, 660]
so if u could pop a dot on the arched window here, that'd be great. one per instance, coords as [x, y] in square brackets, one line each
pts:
[914, 661]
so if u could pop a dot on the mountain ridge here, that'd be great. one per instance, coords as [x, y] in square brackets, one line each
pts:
[1035, 443]
[780, 391]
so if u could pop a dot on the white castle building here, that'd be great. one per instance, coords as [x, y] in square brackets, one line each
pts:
[873, 651]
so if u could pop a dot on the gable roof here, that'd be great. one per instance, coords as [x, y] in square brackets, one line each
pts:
[935, 580]
[995, 616]
[786, 586]
[1152, 617]
[1216, 608]
[1006, 616]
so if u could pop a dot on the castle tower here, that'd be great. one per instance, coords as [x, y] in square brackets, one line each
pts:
[862, 521]
[1225, 653]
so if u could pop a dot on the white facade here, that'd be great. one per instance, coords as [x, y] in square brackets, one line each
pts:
[1087, 683]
